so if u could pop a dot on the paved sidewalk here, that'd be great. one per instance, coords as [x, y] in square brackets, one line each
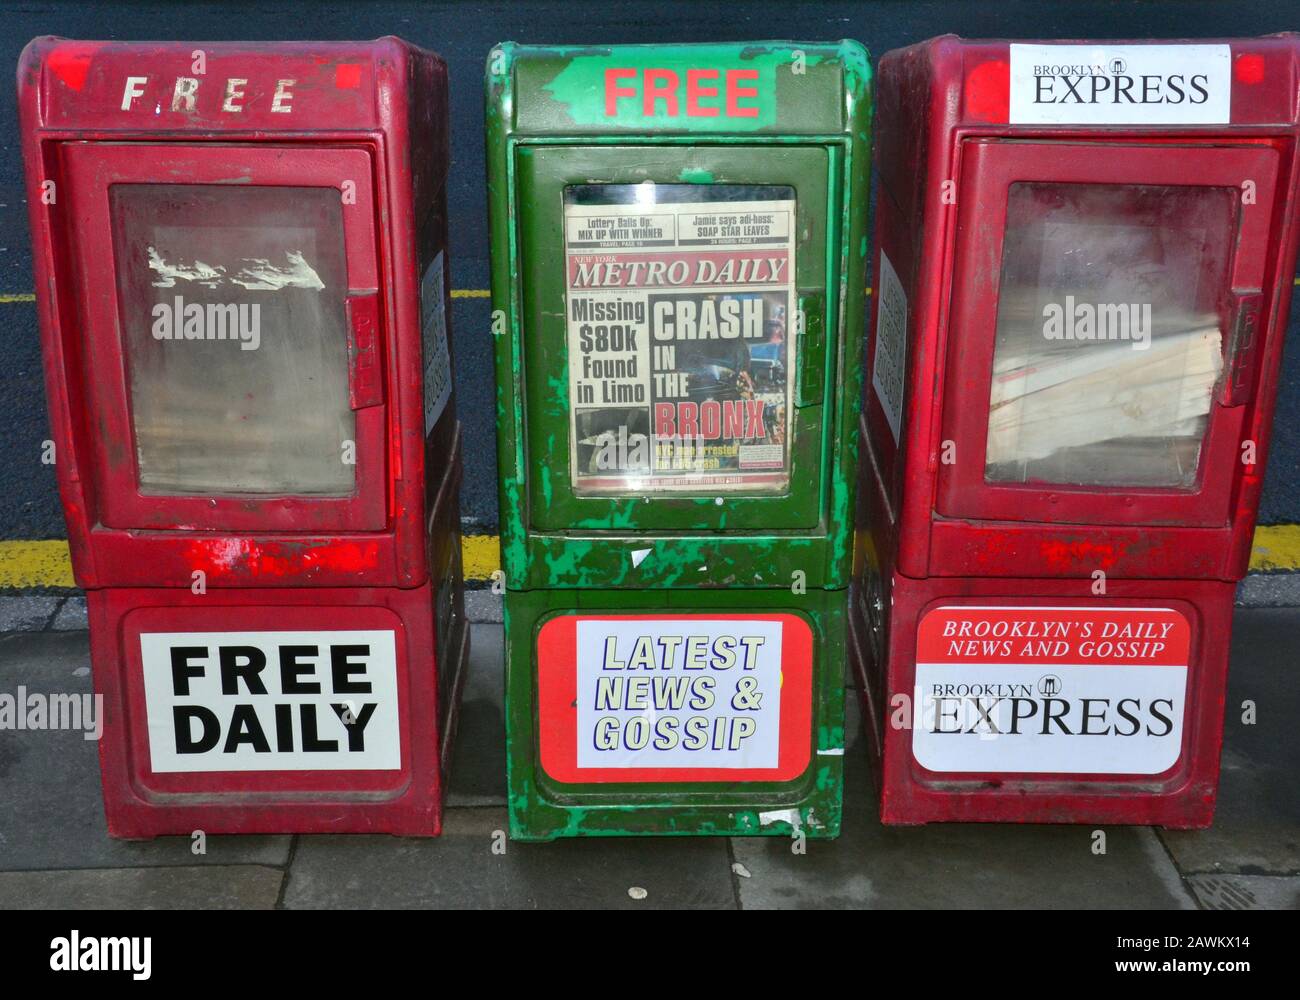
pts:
[54, 851]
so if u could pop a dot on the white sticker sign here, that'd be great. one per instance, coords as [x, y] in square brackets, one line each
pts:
[679, 694]
[1120, 84]
[1050, 690]
[889, 366]
[433, 335]
[271, 701]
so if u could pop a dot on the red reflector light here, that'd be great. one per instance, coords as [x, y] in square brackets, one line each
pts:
[347, 76]
[70, 63]
[1249, 68]
[988, 89]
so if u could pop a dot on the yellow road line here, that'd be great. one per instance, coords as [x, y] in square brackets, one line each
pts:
[35, 564]
[480, 556]
[1277, 547]
[47, 564]
[18, 297]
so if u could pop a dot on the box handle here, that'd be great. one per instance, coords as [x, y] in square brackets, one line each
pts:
[1243, 339]
[365, 376]
[810, 327]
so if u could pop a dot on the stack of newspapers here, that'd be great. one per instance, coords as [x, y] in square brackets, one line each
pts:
[1080, 393]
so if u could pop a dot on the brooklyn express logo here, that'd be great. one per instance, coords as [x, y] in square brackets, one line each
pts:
[1114, 82]
[1120, 84]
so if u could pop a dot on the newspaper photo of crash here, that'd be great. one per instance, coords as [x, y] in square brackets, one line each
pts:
[680, 360]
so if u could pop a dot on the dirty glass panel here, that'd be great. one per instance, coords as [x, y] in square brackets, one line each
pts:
[233, 321]
[1110, 333]
[681, 356]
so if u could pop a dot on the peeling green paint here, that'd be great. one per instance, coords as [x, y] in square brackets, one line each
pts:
[542, 809]
[563, 553]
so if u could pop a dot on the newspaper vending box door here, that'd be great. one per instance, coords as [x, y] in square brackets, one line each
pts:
[240, 260]
[678, 287]
[1083, 266]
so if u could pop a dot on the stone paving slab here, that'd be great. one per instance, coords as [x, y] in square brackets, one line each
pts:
[1269, 590]
[961, 867]
[72, 616]
[483, 606]
[51, 809]
[1256, 827]
[460, 870]
[24, 613]
[240, 887]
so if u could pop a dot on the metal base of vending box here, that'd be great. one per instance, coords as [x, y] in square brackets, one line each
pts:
[1057, 726]
[275, 711]
[755, 749]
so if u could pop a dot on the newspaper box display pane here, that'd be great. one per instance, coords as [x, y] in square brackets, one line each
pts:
[233, 316]
[676, 338]
[681, 367]
[1109, 343]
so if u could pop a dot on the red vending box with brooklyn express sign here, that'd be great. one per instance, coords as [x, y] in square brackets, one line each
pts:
[1083, 265]
[240, 254]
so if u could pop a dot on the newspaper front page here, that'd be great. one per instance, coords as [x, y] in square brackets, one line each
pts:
[679, 301]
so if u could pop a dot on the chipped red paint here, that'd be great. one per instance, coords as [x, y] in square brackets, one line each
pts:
[938, 533]
[249, 560]
[1070, 555]
[71, 62]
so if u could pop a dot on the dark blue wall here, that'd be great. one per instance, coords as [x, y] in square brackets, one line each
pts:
[463, 33]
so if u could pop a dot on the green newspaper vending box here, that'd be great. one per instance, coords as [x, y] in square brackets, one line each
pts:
[679, 258]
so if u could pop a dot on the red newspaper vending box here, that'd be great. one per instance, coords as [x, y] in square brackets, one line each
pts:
[240, 256]
[1084, 261]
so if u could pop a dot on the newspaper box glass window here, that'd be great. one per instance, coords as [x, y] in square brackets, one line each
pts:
[1105, 328]
[681, 355]
[1108, 342]
[250, 284]
[259, 308]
